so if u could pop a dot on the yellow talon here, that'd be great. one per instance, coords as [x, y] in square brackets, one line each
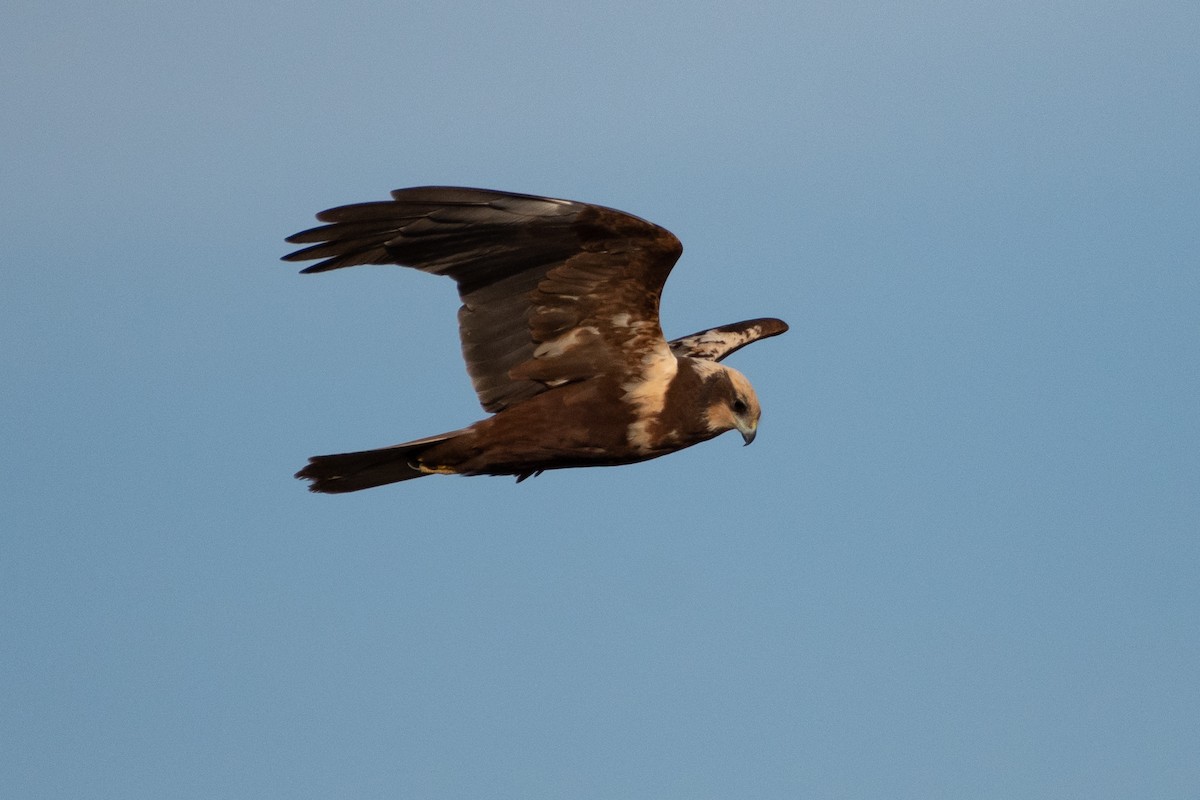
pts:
[424, 470]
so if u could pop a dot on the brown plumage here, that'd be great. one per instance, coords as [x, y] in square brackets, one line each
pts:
[560, 334]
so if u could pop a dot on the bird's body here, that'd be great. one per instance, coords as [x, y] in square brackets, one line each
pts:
[560, 333]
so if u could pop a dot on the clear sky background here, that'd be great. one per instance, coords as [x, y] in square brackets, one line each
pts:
[961, 560]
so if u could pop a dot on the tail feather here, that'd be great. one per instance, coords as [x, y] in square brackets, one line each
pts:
[350, 472]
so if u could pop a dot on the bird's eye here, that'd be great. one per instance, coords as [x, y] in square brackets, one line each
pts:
[739, 406]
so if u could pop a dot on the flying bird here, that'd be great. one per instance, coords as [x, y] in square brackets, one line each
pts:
[560, 333]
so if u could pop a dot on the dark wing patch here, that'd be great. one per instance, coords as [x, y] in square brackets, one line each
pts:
[717, 343]
[553, 290]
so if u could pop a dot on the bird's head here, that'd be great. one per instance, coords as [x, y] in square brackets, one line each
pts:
[731, 403]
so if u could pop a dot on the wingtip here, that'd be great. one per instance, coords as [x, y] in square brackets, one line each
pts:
[292, 258]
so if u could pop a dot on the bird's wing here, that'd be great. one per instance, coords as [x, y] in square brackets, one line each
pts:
[715, 344]
[553, 291]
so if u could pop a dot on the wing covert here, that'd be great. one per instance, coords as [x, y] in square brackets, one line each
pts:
[715, 344]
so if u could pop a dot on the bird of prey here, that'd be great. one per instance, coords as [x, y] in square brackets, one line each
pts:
[560, 333]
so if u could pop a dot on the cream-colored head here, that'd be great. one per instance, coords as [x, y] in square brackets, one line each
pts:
[732, 403]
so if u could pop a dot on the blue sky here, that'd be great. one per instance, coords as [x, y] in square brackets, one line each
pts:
[961, 559]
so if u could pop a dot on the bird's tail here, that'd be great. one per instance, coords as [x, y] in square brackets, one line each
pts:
[350, 472]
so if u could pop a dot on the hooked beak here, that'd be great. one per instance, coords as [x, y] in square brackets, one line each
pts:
[748, 430]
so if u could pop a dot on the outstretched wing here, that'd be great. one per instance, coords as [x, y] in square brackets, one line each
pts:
[553, 291]
[715, 344]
